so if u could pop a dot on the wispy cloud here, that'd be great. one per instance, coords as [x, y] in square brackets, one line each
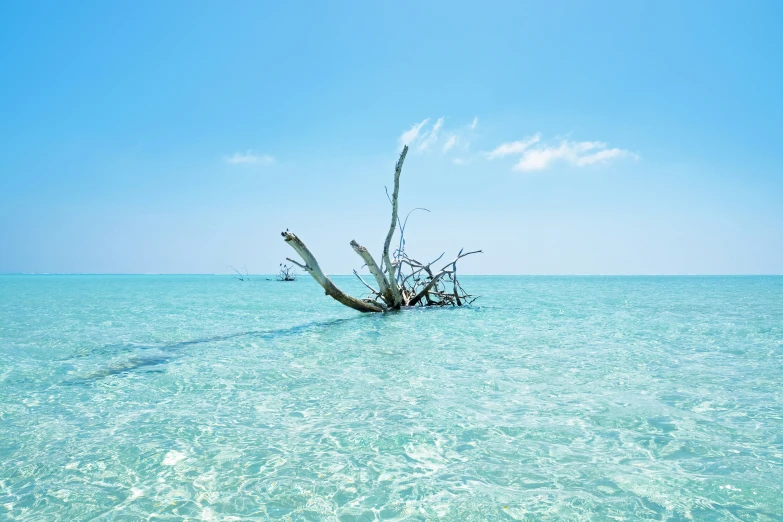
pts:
[430, 137]
[423, 137]
[249, 158]
[410, 135]
[532, 153]
[535, 155]
[514, 147]
[605, 155]
[450, 143]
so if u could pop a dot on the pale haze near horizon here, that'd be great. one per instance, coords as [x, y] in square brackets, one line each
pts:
[560, 139]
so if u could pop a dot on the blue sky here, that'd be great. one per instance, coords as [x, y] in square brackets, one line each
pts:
[560, 137]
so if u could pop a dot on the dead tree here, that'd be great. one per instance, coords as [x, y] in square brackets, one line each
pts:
[286, 273]
[401, 280]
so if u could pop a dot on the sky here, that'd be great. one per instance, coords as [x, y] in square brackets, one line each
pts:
[559, 137]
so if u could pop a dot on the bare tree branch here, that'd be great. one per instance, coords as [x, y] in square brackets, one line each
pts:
[424, 291]
[401, 247]
[397, 296]
[372, 266]
[303, 267]
[311, 266]
[239, 274]
[372, 290]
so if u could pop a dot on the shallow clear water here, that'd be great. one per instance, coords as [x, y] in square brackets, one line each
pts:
[203, 397]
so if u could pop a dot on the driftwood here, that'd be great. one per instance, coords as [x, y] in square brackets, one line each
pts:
[401, 280]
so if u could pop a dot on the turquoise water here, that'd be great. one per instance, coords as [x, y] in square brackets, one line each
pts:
[206, 398]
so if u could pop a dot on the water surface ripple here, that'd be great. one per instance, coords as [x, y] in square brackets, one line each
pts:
[207, 398]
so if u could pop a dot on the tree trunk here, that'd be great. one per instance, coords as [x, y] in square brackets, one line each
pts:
[390, 268]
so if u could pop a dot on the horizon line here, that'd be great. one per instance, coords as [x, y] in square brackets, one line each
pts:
[352, 275]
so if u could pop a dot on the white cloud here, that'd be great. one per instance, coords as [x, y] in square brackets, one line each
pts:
[431, 136]
[423, 137]
[249, 158]
[450, 143]
[409, 136]
[535, 156]
[514, 147]
[605, 155]
[458, 161]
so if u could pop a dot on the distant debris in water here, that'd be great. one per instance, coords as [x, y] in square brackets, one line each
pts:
[240, 276]
[287, 273]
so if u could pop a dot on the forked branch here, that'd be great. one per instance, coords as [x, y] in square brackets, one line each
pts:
[311, 266]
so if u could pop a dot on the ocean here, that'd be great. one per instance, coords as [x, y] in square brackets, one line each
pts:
[561, 398]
